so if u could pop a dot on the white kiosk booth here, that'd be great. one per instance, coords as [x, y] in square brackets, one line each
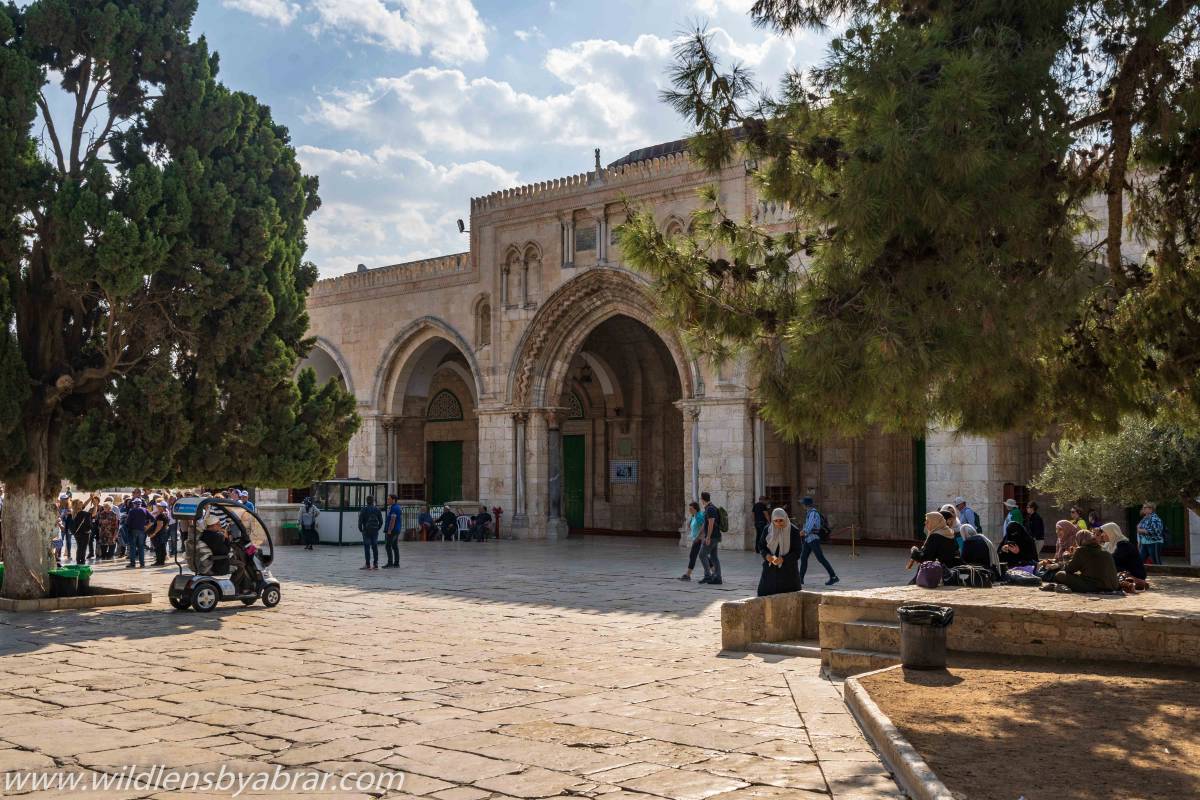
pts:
[340, 502]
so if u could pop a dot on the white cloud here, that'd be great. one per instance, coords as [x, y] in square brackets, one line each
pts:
[449, 30]
[279, 11]
[532, 33]
[391, 204]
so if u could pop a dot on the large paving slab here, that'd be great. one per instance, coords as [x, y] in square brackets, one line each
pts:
[483, 671]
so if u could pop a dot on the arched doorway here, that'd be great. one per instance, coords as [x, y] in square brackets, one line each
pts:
[622, 432]
[326, 362]
[429, 401]
[597, 392]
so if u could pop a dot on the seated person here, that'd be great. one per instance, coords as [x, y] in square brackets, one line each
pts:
[481, 524]
[242, 571]
[1017, 548]
[978, 550]
[1089, 570]
[939, 543]
[1109, 535]
[214, 536]
[1067, 532]
[448, 522]
[1129, 560]
[425, 524]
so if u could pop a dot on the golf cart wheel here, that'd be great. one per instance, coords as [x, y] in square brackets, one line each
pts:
[205, 598]
[248, 601]
[270, 596]
[179, 603]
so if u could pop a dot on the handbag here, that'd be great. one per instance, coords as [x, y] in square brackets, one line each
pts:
[973, 577]
[930, 574]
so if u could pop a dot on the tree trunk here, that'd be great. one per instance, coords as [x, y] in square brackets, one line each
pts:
[28, 522]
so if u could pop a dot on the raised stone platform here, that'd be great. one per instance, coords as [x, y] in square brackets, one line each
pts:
[858, 631]
[97, 597]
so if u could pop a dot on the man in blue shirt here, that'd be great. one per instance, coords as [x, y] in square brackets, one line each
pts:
[136, 522]
[1150, 534]
[391, 533]
[966, 514]
[812, 543]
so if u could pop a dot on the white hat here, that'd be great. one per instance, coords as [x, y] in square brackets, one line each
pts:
[1010, 503]
[960, 501]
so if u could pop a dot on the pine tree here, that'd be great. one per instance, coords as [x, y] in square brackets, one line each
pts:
[151, 277]
[966, 179]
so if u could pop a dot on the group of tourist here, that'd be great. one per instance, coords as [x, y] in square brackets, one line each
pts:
[122, 526]
[373, 520]
[1089, 555]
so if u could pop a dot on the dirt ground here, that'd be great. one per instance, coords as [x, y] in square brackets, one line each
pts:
[1049, 730]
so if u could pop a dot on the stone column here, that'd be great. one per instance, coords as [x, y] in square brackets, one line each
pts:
[556, 525]
[367, 457]
[504, 298]
[520, 514]
[726, 433]
[760, 457]
[389, 434]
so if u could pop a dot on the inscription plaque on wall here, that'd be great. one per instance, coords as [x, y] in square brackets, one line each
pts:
[837, 474]
[624, 447]
[585, 238]
[623, 471]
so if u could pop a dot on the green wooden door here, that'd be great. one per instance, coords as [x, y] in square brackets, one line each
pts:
[573, 480]
[446, 468]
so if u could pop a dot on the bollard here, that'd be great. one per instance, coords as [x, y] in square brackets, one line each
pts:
[923, 635]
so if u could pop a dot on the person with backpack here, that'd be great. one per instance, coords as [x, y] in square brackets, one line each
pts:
[370, 522]
[308, 523]
[815, 527]
[712, 540]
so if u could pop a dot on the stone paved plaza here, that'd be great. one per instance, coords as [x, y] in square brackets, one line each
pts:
[480, 670]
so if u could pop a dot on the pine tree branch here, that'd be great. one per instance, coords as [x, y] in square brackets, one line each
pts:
[49, 120]
[81, 91]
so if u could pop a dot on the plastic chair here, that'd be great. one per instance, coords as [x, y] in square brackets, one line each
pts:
[464, 526]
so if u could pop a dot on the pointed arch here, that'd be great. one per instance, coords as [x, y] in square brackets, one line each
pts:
[401, 355]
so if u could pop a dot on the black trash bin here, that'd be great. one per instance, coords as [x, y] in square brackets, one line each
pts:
[923, 635]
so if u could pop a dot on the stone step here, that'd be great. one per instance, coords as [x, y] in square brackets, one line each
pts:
[797, 648]
[843, 662]
[880, 637]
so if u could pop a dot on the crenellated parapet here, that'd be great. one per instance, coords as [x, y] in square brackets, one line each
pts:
[391, 276]
[672, 164]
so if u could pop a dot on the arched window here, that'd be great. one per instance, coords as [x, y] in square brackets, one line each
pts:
[483, 324]
[444, 407]
[574, 406]
[511, 271]
[532, 277]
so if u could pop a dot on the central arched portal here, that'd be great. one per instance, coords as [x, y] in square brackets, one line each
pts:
[622, 435]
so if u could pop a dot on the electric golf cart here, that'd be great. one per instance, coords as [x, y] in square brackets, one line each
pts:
[229, 553]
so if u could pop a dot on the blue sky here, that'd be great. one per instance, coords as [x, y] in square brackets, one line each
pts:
[408, 108]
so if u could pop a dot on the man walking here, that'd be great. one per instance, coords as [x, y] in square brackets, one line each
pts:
[370, 522]
[391, 533]
[1150, 534]
[812, 543]
[308, 523]
[712, 540]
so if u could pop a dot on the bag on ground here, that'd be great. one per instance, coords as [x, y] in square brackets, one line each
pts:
[929, 574]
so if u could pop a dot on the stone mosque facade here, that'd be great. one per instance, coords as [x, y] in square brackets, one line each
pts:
[531, 373]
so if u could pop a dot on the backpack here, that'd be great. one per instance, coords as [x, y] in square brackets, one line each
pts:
[308, 516]
[929, 574]
[374, 521]
[824, 532]
[722, 519]
[1018, 577]
[973, 577]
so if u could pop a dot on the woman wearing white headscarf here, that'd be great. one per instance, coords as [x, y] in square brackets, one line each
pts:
[781, 556]
[979, 551]
[1112, 537]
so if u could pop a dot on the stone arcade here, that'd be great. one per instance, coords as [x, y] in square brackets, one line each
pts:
[529, 373]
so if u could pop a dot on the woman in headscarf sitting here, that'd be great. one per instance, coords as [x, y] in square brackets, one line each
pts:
[1068, 535]
[1109, 535]
[781, 556]
[1017, 548]
[1131, 570]
[979, 551]
[950, 514]
[1089, 570]
[939, 543]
